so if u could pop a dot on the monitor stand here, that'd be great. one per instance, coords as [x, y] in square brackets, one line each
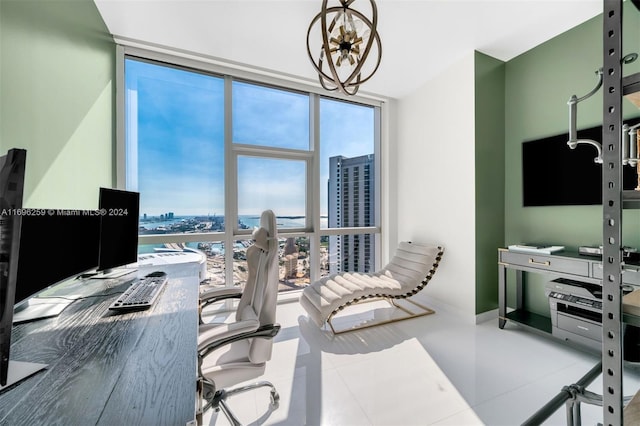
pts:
[19, 371]
[108, 274]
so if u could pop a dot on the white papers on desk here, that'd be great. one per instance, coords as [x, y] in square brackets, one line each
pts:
[527, 248]
[631, 303]
[38, 308]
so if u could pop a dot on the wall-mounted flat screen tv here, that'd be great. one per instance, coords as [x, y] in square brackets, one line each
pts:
[555, 175]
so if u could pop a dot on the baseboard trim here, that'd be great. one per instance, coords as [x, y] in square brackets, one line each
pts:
[487, 316]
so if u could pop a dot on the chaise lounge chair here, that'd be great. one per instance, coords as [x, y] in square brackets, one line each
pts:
[408, 272]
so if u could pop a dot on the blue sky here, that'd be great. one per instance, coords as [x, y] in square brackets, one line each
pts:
[177, 118]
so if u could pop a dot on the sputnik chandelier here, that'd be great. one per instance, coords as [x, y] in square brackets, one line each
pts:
[348, 38]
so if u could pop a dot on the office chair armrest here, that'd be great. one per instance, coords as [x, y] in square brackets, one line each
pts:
[215, 294]
[218, 338]
[209, 334]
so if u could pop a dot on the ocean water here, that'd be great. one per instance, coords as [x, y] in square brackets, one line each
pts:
[283, 222]
[250, 221]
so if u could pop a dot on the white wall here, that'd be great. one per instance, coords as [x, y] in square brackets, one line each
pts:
[436, 183]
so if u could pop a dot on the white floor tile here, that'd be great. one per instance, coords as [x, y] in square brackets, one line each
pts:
[467, 417]
[432, 370]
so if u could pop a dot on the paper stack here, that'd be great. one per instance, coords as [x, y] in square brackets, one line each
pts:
[536, 248]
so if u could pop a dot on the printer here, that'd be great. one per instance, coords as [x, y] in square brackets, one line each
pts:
[576, 316]
[576, 311]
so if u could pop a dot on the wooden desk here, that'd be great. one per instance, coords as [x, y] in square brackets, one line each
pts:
[104, 368]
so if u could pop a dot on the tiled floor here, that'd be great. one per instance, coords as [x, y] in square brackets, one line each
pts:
[432, 370]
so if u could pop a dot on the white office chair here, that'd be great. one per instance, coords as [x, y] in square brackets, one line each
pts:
[236, 352]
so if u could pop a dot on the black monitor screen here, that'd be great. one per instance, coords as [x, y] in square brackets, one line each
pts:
[555, 175]
[12, 167]
[55, 245]
[119, 228]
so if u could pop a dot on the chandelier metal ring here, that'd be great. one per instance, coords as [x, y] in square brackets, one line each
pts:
[345, 45]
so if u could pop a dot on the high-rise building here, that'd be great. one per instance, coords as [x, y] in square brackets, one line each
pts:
[290, 258]
[351, 204]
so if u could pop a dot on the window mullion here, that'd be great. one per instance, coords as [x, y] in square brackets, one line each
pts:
[314, 181]
[231, 183]
[268, 152]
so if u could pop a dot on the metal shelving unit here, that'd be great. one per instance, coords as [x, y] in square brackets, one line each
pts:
[612, 260]
[614, 201]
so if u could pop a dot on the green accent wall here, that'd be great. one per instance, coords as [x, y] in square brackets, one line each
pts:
[57, 99]
[489, 176]
[538, 85]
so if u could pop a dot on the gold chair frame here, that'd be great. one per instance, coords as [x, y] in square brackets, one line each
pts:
[392, 301]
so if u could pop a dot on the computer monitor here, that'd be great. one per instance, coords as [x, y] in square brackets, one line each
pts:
[12, 172]
[120, 216]
[55, 246]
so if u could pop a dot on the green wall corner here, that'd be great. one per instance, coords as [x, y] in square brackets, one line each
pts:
[489, 176]
[57, 81]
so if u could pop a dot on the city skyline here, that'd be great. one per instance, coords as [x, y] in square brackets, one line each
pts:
[171, 223]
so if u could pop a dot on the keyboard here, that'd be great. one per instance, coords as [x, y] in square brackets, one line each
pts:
[142, 294]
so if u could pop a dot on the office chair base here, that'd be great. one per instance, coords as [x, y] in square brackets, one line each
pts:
[218, 401]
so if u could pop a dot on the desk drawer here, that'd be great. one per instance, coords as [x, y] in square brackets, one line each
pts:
[546, 262]
[631, 273]
[583, 328]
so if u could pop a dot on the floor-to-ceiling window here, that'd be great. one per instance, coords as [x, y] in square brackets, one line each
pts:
[209, 151]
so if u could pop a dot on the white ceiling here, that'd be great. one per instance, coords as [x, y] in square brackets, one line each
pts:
[420, 38]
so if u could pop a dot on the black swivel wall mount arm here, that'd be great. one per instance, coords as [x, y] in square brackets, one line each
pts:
[573, 112]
